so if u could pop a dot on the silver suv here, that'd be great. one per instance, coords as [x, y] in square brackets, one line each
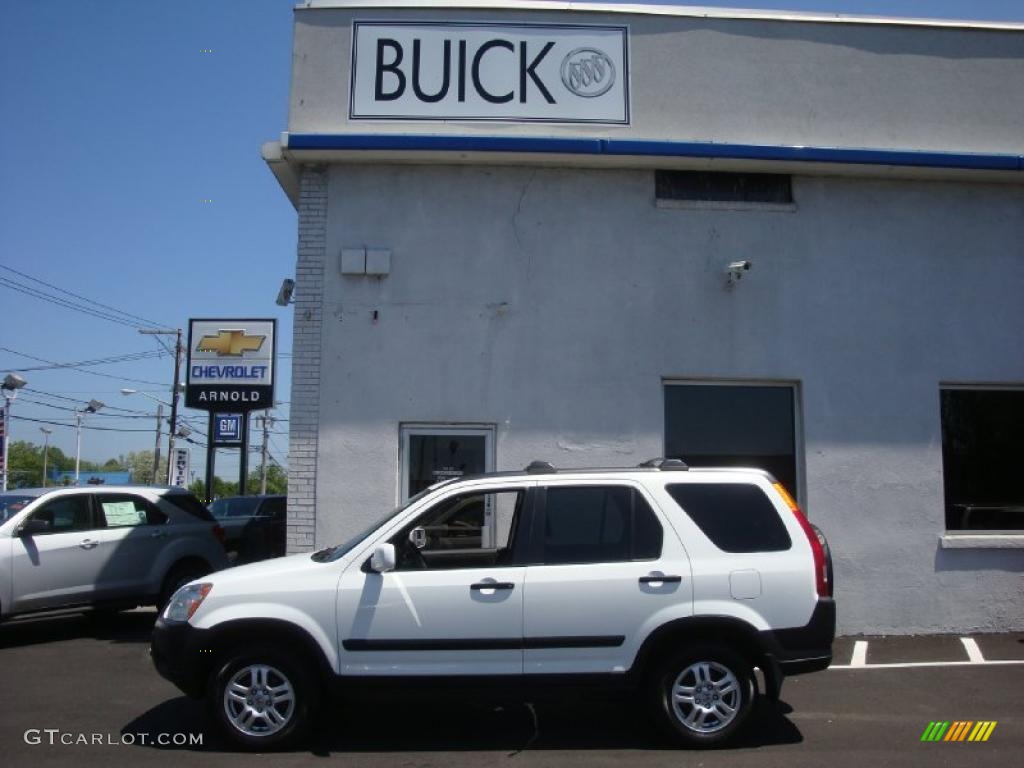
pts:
[102, 546]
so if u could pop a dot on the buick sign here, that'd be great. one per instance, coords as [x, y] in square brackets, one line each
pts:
[416, 71]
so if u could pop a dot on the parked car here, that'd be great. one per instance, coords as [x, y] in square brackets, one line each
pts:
[255, 527]
[672, 582]
[102, 547]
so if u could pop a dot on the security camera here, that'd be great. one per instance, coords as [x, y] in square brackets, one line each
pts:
[284, 296]
[734, 271]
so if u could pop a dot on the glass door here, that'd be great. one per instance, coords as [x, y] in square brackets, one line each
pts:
[433, 453]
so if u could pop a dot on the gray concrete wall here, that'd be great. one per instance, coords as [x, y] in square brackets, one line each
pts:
[553, 302]
[735, 80]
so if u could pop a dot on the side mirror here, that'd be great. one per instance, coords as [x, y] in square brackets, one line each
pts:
[418, 537]
[383, 559]
[33, 526]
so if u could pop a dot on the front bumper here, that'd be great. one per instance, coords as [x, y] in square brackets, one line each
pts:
[182, 654]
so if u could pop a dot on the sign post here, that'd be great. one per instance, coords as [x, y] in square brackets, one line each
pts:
[231, 367]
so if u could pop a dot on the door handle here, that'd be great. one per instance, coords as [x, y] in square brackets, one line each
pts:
[158, 535]
[87, 543]
[660, 579]
[492, 585]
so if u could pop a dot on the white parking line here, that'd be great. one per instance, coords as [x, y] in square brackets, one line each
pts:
[860, 653]
[973, 651]
[909, 664]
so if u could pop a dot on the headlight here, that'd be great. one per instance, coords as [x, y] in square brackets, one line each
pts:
[186, 601]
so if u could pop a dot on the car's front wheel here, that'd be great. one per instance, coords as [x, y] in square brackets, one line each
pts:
[702, 695]
[262, 699]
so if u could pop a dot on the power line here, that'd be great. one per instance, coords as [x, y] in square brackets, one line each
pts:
[74, 426]
[79, 370]
[85, 363]
[143, 320]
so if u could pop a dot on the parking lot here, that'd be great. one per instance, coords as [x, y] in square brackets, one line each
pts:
[91, 679]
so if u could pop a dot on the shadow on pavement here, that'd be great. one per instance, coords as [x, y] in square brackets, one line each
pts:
[131, 627]
[394, 727]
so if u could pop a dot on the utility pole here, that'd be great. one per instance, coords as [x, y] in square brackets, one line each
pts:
[174, 403]
[267, 423]
[156, 448]
[46, 449]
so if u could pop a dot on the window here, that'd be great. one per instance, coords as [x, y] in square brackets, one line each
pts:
[432, 454]
[734, 425]
[120, 510]
[67, 513]
[274, 507]
[235, 506]
[736, 517]
[773, 189]
[598, 524]
[471, 530]
[186, 502]
[982, 456]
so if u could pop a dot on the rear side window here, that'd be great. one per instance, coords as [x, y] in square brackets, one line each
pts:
[737, 517]
[189, 503]
[599, 524]
[123, 510]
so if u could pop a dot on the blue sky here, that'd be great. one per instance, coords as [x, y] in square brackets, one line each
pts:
[115, 126]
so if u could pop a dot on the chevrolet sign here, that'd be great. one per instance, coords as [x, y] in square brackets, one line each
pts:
[230, 365]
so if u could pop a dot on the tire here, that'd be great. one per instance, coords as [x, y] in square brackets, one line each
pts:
[702, 695]
[262, 699]
[177, 577]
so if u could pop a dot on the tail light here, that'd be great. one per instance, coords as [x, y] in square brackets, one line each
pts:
[218, 533]
[820, 566]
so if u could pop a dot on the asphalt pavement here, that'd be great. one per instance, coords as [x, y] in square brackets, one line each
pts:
[89, 683]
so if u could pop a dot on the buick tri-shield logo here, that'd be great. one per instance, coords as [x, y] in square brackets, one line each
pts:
[588, 72]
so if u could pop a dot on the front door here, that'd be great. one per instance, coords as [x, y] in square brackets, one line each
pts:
[454, 603]
[61, 566]
[433, 453]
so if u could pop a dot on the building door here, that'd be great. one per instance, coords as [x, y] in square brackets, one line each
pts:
[736, 424]
[433, 453]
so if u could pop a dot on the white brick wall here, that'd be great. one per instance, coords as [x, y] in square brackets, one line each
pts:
[305, 405]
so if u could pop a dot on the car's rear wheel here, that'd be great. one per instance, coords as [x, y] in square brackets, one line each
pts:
[702, 695]
[262, 699]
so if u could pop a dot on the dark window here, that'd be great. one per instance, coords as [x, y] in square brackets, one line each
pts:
[982, 456]
[67, 513]
[12, 504]
[723, 187]
[434, 458]
[733, 426]
[186, 502]
[235, 506]
[119, 510]
[599, 524]
[737, 517]
[274, 507]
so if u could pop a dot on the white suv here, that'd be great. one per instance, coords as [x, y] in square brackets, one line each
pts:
[675, 582]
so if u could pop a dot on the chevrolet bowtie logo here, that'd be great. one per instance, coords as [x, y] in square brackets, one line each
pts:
[230, 343]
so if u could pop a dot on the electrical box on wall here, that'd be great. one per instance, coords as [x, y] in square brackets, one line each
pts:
[353, 261]
[378, 261]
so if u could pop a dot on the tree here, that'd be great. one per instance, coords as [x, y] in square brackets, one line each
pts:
[140, 464]
[25, 461]
[277, 481]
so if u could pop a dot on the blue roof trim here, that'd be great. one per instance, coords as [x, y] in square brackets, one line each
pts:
[631, 147]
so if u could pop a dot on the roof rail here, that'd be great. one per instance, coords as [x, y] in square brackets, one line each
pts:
[677, 465]
[540, 467]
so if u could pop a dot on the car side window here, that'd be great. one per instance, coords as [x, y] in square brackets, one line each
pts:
[598, 524]
[273, 508]
[67, 513]
[470, 530]
[123, 510]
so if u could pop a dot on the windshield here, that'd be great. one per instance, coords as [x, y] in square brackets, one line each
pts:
[11, 504]
[243, 506]
[340, 550]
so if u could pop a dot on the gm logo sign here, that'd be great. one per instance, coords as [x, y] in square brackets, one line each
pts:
[227, 427]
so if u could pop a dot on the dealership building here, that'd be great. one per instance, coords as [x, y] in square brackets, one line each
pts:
[593, 234]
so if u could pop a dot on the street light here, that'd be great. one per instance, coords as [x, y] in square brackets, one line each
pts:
[92, 407]
[11, 384]
[46, 449]
[160, 424]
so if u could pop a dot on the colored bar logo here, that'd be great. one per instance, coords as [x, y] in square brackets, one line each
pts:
[959, 730]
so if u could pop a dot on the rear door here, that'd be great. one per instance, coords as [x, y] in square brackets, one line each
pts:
[606, 568]
[135, 533]
[59, 567]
